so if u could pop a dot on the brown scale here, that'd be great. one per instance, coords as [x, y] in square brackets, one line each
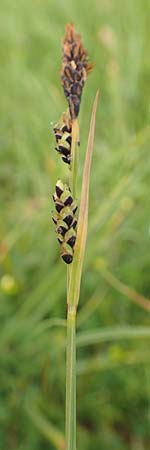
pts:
[74, 71]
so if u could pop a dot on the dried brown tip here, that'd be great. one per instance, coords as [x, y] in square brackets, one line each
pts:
[74, 71]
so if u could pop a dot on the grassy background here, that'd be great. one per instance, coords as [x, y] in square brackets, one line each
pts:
[113, 386]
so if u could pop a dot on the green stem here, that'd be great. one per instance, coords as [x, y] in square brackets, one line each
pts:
[71, 381]
[71, 321]
[73, 290]
[74, 157]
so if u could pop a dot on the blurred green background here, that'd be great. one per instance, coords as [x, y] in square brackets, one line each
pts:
[113, 371]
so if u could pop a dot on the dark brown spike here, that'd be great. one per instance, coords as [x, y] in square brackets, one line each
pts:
[74, 69]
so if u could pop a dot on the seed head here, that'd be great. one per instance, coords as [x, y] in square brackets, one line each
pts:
[62, 131]
[74, 71]
[65, 220]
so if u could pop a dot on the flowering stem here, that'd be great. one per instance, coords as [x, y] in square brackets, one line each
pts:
[73, 290]
[71, 322]
[75, 67]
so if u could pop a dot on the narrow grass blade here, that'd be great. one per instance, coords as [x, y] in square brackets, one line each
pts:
[76, 270]
[134, 296]
[46, 428]
[111, 334]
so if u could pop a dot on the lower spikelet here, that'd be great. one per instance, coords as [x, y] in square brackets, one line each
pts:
[65, 220]
[63, 135]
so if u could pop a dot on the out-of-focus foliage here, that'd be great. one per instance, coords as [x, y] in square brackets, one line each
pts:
[113, 384]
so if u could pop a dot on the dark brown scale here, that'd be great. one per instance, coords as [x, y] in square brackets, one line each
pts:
[67, 93]
[66, 160]
[68, 201]
[66, 82]
[74, 105]
[68, 219]
[73, 47]
[65, 151]
[68, 72]
[59, 191]
[76, 89]
[54, 220]
[65, 129]
[75, 209]
[67, 258]
[74, 59]
[61, 230]
[82, 83]
[72, 54]
[60, 239]
[79, 90]
[59, 206]
[71, 241]
[67, 58]
[69, 139]
[79, 66]
[58, 136]
[74, 223]
[76, 76]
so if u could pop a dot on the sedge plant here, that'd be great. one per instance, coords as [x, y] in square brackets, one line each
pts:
[71, 225]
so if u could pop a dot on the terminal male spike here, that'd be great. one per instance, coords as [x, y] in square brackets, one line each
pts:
[75, 67]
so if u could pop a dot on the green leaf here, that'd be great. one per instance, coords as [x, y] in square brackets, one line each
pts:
[110, 334]
[76, 269]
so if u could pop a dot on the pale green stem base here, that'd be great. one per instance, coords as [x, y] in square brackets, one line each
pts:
[71, 381]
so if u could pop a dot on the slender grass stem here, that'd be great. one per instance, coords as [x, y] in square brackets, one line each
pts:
[73, 171]
[71, 321]
[74, 156]
[71, 381]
